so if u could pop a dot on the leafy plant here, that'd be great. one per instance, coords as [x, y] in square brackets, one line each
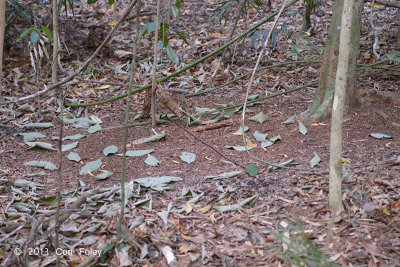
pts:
[222, 10]
[164, 32]
[297, 249]
[17, 10]
[34, 33]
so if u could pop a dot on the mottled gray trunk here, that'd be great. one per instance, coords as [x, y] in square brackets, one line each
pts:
[345, 54]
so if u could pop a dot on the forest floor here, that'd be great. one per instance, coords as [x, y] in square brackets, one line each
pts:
[185, 215]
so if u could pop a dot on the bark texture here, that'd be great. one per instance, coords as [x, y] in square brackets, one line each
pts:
[345, 55]
[321, 107]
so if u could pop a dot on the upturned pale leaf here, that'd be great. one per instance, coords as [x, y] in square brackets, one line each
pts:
[380, 136]
[260, 117]
[291, 120]
[103, 175]
[73, 156]
[94, 128]
[40, 125]
[69, 146]
[152, 161]
[44, 145]
[154, 138]
[188, 157]
[41, 164]
[302, 128]
[91, 166]
[315, 160]
[238, 148]
[137, 153]
[110, 150]
[259, 136]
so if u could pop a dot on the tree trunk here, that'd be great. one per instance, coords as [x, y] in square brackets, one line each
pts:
[345, 55]
[2, 32]
[321, 107]
[398, 30]
[307, 8]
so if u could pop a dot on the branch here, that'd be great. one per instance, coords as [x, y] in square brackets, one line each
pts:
[386, 3]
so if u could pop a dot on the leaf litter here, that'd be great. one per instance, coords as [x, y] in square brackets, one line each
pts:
[204, 234]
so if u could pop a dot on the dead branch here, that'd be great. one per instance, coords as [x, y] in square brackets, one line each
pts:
[213, 126]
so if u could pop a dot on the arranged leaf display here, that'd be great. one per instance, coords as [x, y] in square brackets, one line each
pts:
[271, 141]
[69, 146]
[94, 128]
[152, 161]
[188, 157]
[238, 148]
[315, 160]
[302, 129]
[247, 202]
[37, 144]
[259, 136]
[137, 153]
[380, 136]
[154, 138]
[260, 117]
[224, 175]
[110, 150]
[73, 156]
[241, 130]
[29, 137]
[103, 175]
[291, 120]
[41, 164]
[70, 137]
[91, 166]
[37, 125]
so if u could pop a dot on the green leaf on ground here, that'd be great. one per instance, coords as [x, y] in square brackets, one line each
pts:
[252, 169]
